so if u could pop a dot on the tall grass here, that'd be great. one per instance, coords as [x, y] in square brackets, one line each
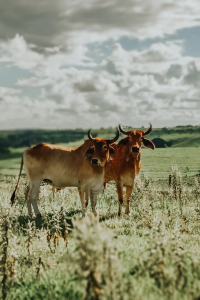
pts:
[152, 254]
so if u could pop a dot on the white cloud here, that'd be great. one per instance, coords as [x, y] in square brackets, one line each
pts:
[142, 85]
[9, 95]
[50, 40]
[67, 23]
[18, 53]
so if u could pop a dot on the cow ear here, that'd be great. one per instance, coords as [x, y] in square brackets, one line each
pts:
[149, 144]
[89, 151]
[111, 151]
[124, 141]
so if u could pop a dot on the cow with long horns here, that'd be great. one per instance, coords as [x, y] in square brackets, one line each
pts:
[81, 167]
[126, 164]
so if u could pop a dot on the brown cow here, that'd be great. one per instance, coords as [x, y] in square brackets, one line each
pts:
[126, 164]
[81, 167]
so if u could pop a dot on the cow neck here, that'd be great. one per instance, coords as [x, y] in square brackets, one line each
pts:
[121, 153]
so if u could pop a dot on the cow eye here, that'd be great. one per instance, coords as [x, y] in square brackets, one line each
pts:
[105, 147]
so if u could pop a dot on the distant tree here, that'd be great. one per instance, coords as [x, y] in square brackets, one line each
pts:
[164, 129]
[160, 143]
[4, 150]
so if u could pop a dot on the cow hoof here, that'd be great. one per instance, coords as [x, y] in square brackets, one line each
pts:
[119, 214]
[39, 215]
[121, 202]
[128, 213]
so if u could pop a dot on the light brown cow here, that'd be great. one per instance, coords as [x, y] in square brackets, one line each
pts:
[126, 164]
[81, 167]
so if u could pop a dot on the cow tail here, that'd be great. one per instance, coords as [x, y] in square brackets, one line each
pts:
[12, 200]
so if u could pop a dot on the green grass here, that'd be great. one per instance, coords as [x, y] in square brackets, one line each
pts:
[155, 164]
[151, 254]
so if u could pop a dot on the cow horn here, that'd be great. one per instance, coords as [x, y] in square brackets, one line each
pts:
[148, 130]
[114, 139]
[89, 136]
[122, 131]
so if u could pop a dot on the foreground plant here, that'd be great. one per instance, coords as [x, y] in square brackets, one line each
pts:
[94, 258]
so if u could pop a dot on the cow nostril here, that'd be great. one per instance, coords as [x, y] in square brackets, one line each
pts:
[135, 149]
[95, 161]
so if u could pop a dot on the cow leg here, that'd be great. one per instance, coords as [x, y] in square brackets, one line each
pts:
[33, 196]
[129, 190]
[83, 194]
[79, 191]
[27, 199]
[93, 199]
[86, 197]
[120, 196]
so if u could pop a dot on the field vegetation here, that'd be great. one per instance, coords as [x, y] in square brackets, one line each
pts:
[151, 254]
[13, 144]
[155, 164]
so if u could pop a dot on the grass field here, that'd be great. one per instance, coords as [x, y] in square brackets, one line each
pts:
[151, 254]
[155, 164]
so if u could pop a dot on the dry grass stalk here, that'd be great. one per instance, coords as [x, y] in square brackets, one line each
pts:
[40, 267]
[11, 268]
[56, 240]
[29, 248]
[66, 237]
[93, 286]
[49, 240]
[4, 257]
[196, 189]
[48, 237]
[66, 234]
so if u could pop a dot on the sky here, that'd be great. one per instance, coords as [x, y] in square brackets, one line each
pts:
[96, 63]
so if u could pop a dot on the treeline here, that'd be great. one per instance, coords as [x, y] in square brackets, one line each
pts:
[26, 138]
[162, 137]
[181, 129]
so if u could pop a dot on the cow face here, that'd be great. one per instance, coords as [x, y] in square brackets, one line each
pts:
[101, 151]
[134, 141]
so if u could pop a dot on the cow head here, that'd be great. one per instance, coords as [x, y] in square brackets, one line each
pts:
[101, 151]
[135, 139]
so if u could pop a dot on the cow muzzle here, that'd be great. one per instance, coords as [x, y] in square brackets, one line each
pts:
[135, 149]
[95, 161]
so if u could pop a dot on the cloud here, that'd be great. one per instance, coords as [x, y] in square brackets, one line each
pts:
[156, 83]
[82, 74]
[159, 72]
[49, 24]
[9, 95]
[17, 52]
